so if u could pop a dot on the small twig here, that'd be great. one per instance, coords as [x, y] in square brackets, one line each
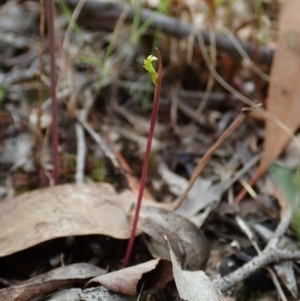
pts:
[203, 161]
[241, 172]
[65, 71]
[244, 191]
[277, 284]
[81, 153]
[271, 246]
[281, 228]
[211, 79]
[218, 78]
[213, 58]
[72, 22]
[245, 56]
[101, 143]
[246, 229]
[81, 145]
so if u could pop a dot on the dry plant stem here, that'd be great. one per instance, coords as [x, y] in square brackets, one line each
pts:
[272, 244]
[211, 79]
[203, 161]
[259, 172]
[218, 78]
[247, 230]
[243, 192]
[146, 161]
[51, 36]
[81, 153]
[72, 22]
[281, 228]
[174, 106]
[101, 142]
[66, 41]
[244, 55]
[277, 284]
[80, 134]
[241, 172]
[213, 54]
[271, 254]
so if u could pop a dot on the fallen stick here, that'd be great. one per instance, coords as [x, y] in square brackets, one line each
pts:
[265, 258]
[104, 15]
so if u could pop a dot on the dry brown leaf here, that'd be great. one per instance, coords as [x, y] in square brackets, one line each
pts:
[61, 211]
[65, 210]
[284, 92]
[49, 282]
[193, 285]
[285, 269]
[130, 281]
[187, 241]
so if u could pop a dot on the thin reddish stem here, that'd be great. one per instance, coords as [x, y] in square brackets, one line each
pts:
[51, 36]
[146, 162]
[39, 136]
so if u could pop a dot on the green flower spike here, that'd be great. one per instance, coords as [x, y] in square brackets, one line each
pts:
[149, 67]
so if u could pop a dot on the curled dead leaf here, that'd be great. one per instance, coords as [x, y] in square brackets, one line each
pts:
[188, 243]
[193, 285]
[49, 282]
[130, 281]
